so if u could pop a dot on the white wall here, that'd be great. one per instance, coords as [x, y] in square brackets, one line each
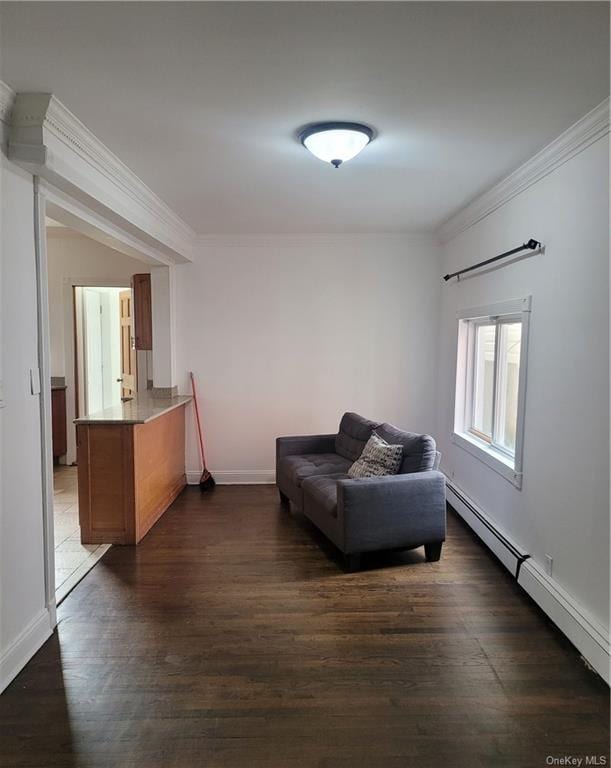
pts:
[24, 620]
[163, 299]
[563, 507]
[73, 257]
[285, 334]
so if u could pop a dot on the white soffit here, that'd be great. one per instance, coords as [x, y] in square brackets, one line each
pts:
[47, 139]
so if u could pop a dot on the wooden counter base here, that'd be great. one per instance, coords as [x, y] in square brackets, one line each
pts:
[128, 475]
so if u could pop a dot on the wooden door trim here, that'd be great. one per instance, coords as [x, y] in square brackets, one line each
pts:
[131, 352]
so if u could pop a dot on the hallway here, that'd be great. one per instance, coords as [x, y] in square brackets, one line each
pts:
[230, 638]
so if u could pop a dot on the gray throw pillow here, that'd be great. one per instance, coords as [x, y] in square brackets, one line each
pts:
[378, 458]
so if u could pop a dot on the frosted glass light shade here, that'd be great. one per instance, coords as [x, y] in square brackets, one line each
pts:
[336, 142]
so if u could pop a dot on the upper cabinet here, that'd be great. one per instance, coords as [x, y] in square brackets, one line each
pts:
[143, 320]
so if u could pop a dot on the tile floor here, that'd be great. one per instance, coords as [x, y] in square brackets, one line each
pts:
[72, 559]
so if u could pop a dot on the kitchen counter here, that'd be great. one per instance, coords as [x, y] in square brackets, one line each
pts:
[131, 467]
[140, 410]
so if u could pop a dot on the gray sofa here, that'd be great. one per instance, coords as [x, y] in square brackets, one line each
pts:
[399, 511]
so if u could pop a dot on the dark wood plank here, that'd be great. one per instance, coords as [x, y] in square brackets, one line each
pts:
[232, 638]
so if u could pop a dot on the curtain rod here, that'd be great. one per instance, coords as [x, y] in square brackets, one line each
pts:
[531, 245]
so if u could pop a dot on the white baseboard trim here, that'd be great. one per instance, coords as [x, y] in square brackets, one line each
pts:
[507, 551]
[587, 635]
[236, 477]
[25, 645]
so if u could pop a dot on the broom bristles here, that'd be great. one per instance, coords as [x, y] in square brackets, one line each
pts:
[206, 482]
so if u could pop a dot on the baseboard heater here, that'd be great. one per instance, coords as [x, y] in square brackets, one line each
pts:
[589, 637]
[498, 542]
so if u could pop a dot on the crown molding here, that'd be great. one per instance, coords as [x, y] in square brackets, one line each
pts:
[47, 139]
[68, 128]
[7, 99]
[578, 137]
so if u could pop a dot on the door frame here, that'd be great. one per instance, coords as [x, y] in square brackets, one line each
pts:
[44, 369]
[71, 373]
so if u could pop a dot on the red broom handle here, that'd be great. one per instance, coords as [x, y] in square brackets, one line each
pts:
[199, 426]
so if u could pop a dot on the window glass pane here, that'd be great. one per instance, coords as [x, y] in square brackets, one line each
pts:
[508, 377]
[483, 378]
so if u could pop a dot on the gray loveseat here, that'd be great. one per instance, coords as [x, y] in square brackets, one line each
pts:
[399, 511]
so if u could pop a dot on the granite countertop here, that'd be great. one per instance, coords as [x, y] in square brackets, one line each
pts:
[137, 411]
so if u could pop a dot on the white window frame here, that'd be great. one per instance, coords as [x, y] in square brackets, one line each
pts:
[497, 457]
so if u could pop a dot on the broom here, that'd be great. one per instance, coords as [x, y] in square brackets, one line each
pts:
[206, 481]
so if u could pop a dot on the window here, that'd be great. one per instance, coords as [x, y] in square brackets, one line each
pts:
[490, 384]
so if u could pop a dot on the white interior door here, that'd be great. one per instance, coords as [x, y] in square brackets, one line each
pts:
[94, 366]
[102, 348]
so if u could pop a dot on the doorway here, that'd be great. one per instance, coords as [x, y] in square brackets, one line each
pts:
[93, 366]
[102, 331]
[105, 355]
[91, 199]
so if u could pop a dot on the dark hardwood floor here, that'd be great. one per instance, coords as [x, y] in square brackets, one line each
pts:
[230, 638]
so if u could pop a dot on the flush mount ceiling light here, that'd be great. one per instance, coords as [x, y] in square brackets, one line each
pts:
[335, 142]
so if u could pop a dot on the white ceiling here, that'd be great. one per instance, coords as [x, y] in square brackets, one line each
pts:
[202, 100]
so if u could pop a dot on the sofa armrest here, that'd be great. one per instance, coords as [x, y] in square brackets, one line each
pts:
[392, 511]
[300, 444]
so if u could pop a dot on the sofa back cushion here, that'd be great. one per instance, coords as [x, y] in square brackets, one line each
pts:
[419, 451]
[354, 432]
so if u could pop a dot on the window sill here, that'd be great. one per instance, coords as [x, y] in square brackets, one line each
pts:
[501, 464]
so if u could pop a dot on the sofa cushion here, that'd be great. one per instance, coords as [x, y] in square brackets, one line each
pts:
[419, 451]
[297, 468]
[354, 432]
[323, 490]
[378, 458]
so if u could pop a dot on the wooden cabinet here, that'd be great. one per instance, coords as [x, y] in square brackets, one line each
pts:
[58, 421]
[128, 475]
[143, 317]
